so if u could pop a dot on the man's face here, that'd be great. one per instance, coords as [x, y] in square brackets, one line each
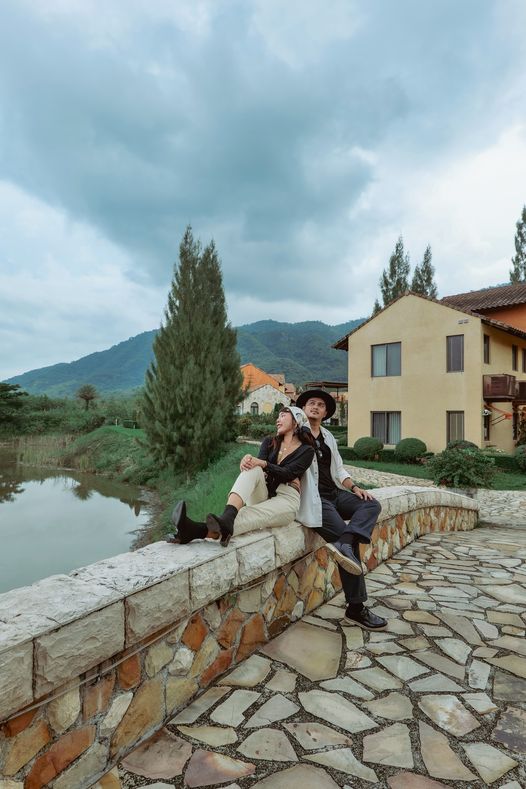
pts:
[315, 408]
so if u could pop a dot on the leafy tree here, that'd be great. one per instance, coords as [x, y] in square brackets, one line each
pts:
[423, 277]
[88, 393]
[518, 261]
[194, 382]
[376, 307]
[394, 280]
[10, 401]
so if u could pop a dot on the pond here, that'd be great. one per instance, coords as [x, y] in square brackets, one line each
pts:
[55, 520]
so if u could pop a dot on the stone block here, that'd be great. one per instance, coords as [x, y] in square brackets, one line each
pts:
[213, 579]
[249, 600]
[64, 711]
[19, 723]
[182, 661]
[129, 672]
[195, 632]
[54, 601]
[156, 607]
[61, 754]
[144, 715]
[179, 691]
[256, 560]
[132, 572]
[91, 764]
[16, 678]
[157, 657]
[25, 746]
[289, 543]
[205, 657]
[115, 714]
[73, 649]
[253, 636]
[97, 695]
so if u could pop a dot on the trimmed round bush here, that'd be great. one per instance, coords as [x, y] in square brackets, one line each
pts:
[461, 443]
[462, 468]
[408, 450]
[367, 447]
[520, 457]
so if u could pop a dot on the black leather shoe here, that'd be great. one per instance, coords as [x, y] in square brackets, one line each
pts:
[186, 529]
[343, 554]
[366, 619]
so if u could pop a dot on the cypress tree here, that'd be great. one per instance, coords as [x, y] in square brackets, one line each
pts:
[394, 280]
[518, 261]
[193, 384]
[423, 277]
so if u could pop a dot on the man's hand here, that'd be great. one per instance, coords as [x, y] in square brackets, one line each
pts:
[362, 494]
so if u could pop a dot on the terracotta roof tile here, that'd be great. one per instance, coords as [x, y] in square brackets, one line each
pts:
[488, 298]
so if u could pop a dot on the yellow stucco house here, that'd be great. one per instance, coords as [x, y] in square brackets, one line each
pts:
[424, 369]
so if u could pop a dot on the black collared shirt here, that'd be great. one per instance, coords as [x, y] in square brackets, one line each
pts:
[326, 485]
[291, 467]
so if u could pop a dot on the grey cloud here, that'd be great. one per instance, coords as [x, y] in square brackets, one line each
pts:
[165, 127]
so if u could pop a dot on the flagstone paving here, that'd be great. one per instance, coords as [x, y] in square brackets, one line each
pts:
[436, 700]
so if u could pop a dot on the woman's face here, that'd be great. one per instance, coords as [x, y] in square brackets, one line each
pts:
[284, 422]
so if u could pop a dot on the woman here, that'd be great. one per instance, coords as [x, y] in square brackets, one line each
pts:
[266, 492]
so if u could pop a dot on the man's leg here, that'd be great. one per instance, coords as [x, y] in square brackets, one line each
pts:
[332, 528]
[363, 515]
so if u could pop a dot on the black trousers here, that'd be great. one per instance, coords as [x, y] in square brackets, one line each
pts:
[362, 515]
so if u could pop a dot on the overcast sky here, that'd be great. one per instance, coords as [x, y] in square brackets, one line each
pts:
[304, 136]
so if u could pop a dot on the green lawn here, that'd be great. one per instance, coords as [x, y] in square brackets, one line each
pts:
[504, 480]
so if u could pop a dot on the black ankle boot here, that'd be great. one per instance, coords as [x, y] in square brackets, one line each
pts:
[186, 529]
[223, 524]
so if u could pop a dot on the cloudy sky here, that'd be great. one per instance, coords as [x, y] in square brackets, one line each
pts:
[304, 136]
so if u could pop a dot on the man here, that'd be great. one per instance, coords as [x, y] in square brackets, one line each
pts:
[341, 500]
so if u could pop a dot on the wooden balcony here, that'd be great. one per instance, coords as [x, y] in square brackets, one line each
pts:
[499, 387]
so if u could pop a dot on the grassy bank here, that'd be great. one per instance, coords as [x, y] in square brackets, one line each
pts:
[504, 480]
[116, 452]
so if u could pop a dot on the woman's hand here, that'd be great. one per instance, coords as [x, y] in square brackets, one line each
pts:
[249, 461]
[296, 484]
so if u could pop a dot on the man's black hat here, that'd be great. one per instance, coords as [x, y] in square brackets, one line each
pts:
[328, 399]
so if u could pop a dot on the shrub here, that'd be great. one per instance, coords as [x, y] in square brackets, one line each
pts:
[347, 453]
[461, 443]
[462, 468]
[520, 457]
[409, 449]
[367, 447]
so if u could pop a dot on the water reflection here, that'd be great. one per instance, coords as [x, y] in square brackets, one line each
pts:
[53, 521]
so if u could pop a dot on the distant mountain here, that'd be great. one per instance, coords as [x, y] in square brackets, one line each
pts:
[300, 350]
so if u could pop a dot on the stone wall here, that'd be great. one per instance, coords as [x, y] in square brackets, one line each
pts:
[94, 662]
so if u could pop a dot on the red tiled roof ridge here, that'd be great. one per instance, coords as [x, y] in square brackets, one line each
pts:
[342, 345]
[494, 296]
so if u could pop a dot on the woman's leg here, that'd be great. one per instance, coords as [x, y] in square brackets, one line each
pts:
[280, 510]
[250, 486]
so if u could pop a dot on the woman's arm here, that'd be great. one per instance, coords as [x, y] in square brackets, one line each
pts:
[249, 461]
[293, 466]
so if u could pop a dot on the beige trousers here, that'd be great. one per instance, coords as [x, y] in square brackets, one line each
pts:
[259, 511]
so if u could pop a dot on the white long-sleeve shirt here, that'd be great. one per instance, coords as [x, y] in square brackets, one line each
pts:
[309, 513]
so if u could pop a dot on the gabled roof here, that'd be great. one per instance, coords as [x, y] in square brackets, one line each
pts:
[343, 345]
[489, 298]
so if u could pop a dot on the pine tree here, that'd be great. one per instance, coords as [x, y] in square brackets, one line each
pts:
[394, 280]
[518, 261]
[376, 307]
[193, 384]
[423, 277]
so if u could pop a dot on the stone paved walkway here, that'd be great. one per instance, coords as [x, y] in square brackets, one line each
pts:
[437, 700]
[503, 507]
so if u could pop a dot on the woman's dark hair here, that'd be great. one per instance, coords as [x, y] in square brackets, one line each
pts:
[303, 433]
